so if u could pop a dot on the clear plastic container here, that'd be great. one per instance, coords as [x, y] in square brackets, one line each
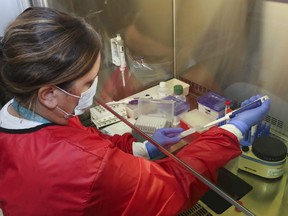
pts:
[180, 106]
[158, 108]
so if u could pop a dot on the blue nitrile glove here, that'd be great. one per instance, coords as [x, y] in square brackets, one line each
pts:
[164, 137]
[246, 119]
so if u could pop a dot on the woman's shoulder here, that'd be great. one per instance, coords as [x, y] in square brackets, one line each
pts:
[78, 136]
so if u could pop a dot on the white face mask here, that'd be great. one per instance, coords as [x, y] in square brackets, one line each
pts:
[85, 100]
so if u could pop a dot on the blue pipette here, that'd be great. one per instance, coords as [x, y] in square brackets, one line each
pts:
[252, 105]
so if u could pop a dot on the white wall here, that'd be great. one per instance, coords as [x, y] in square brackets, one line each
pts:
[9, 9]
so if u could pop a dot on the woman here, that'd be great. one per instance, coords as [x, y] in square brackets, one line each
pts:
[52, 165]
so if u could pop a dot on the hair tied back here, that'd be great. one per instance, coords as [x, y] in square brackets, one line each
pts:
[1, 43]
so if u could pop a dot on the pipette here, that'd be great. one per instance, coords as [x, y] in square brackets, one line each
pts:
[252, 105]
[118, 55]
[122, 66]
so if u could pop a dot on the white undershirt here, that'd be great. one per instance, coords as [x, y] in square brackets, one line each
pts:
[9, 121]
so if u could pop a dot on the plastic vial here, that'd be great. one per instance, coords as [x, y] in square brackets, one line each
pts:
[227, 110]
[228, 106]
[178, 92]
[162, 90]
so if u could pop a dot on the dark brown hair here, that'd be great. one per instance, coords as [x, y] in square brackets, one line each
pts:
[44, 46]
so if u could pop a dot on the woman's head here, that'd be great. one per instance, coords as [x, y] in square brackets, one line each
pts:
[46, 47]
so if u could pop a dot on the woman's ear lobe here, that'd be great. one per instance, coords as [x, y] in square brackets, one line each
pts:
[47, 97]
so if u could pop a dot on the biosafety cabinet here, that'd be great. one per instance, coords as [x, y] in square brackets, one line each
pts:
[233, 48]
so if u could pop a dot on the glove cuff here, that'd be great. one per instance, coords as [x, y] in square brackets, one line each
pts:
[243, 127]
[152, 150]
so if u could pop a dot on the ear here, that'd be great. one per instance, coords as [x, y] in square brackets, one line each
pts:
[47, 97]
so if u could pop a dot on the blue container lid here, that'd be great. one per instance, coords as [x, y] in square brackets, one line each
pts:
[213, 101]
[180, 106]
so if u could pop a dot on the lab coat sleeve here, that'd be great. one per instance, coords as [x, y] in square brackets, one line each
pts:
[123, 142]
[210, 151]
[136, 186]
[129, 185]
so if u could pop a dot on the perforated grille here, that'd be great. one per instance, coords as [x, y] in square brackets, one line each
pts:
[197, 210]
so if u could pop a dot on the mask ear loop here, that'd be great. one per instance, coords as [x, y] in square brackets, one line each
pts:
[67, 92]
[67, 115]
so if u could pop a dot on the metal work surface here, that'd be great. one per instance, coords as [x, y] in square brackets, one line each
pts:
[268, 196]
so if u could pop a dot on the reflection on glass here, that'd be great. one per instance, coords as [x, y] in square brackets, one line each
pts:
[235, 48]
